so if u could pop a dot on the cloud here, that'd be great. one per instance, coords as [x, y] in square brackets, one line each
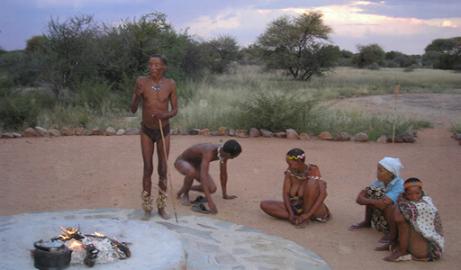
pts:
[349, 20]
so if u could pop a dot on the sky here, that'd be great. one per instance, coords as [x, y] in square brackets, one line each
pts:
[407, 26]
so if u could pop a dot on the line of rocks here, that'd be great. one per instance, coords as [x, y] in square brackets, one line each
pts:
[457, 136]
[222, 131]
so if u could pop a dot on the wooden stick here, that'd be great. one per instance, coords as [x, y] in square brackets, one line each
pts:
[168, 179]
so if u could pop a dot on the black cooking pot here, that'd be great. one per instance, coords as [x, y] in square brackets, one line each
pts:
[51, 255]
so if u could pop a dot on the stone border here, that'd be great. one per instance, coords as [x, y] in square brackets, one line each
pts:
[222, 131]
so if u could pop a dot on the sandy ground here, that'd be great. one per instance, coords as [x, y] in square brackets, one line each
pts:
[46, 174]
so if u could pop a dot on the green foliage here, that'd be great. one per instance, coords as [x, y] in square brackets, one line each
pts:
[444, 53]
[369, 55]
[20, 67]
[93, 95]
[221, 52]
[275, 111]
[297, 46]
[19, 110]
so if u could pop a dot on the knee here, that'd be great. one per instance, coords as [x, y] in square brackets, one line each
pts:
[213, 189]
[263, 205]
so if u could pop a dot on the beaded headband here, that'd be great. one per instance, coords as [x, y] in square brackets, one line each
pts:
[298, 157]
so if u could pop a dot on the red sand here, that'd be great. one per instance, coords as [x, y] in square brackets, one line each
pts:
[46, 174]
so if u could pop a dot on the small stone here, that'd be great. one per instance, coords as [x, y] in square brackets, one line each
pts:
[120, 132]
[7, 135]
[254, 132]
[204, 132]
[223, 131]
[457, 136]
[65, 131]
[281, 134]
[30, 132]
[408, 138]
[54, 132]
[194, 131]
[183, 131]
[292, 134]
[304, 136]
[17, 135]
[215, 133]
[232, 132]
[382, 139]
[80, 131]
[325, 135]
[96, 132]
[174, 131]
[132, 131]
[41, 131]
[360, 137]
[342, 136]
[241, 133]
[266, 133]
[110, 131]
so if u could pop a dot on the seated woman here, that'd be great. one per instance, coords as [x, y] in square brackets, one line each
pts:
[419, 228]
[379, 197]
[304, 193]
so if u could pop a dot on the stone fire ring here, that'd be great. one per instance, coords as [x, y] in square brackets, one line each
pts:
[195, 242]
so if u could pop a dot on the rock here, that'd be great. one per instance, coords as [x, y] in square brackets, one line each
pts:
[120, 132]
[325, 135]
[397, 139]
[382, 139]
[304, 136]
[292, 134]
[266, 133]
[204, 132]
[54, 132]
[342, 136]
[241, 133]
[65, 131]
[96, 132]
[110, 131]
[194, 131]
[183, 131]
[30, 132]
[232, 132]
[7, 135]
[408, 138]
[281, 134]
[457, 136]
[360, 137]
[80, 131]
[215, 133]
[223, 131]
[254, 132]
[132, 131]
[41, 131]
[174, 131]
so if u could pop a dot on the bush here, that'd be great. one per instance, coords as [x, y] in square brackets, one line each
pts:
[275, 111]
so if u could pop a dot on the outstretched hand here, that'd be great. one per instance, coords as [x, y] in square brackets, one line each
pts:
[229, 197]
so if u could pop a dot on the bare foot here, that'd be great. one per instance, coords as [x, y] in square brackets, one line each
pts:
[360, 225]
[385, 247]
[184, 200]
[386, 239]
[147, 215]
[163, 214]
[398, 256]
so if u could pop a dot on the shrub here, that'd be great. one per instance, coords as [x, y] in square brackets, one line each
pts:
[275, 111]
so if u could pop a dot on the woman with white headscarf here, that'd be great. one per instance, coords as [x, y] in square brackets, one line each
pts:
[379, 197]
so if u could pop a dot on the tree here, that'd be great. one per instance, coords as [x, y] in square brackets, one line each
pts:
[369, 55]
[398, 59]
[221, 52]
[297, 45]
[444, 53]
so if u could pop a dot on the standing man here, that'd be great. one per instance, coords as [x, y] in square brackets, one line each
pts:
[156, 93]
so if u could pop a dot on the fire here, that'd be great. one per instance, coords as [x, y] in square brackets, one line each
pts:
[75, 245]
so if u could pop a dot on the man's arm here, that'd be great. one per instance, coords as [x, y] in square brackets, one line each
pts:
[135, 98]
[223, 178]
[204, 168]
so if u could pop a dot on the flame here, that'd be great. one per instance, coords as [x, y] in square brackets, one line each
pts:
[75, 245]
[98, 234]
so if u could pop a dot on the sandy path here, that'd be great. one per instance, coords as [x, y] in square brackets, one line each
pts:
[43, 174]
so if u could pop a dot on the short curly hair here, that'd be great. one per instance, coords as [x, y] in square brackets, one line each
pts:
[232, 147]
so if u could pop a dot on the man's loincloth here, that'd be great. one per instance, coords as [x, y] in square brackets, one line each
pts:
[154, 133]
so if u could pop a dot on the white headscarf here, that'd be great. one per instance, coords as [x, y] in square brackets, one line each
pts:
[392, 164]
